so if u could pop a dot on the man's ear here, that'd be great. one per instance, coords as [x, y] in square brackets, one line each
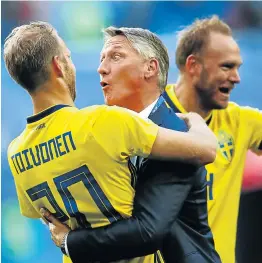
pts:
[192, 65]
[152, 68]
[58, 66]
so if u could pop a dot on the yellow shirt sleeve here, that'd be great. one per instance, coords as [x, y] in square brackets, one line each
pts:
[26, 207]
[123, 133]
[253, 120]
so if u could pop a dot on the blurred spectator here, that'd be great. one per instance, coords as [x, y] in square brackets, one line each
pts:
[246, 14]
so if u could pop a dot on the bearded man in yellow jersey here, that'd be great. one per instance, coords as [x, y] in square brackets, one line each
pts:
[77, 162]
[208, 58]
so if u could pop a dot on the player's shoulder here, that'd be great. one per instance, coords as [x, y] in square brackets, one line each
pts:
[97, 110]
[234, 106]
[15, 144]
[105, 113]
[241, 111]
[90, 112]
[91, 109]
[236, 112]
[11, 146]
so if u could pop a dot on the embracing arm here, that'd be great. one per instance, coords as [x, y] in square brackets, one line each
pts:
[198, 145]
[157, 202]
[143, 137]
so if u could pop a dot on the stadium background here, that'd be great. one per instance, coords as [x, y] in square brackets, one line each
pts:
[80, 24]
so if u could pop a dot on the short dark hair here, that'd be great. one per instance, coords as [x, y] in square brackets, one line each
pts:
[193, 38]
[28, 51]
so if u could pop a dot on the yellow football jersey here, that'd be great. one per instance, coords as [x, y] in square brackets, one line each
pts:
[237, 129]
[76, 163]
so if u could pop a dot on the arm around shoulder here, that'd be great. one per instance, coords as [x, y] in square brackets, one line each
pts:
[197, 146]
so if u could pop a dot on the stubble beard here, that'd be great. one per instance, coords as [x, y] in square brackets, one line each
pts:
[206, 93]
[70, 81]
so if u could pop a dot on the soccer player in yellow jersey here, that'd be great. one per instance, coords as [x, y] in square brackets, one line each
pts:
[76, 162]
[208, 58]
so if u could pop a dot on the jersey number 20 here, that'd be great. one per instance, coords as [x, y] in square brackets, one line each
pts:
[62, 182]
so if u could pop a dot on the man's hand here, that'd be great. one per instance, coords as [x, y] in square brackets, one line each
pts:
[58, 230]
[202, 133]
[197, 124]
[192, 119]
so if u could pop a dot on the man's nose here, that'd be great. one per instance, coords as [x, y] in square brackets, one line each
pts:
[103, 68]
[235, 77]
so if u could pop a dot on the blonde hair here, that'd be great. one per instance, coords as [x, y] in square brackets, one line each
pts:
[194, 38]
[28, 51]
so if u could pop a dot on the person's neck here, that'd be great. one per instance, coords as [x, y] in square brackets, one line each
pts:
[189, 98]
[46, 97]
[142, 102]
[142, 99]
